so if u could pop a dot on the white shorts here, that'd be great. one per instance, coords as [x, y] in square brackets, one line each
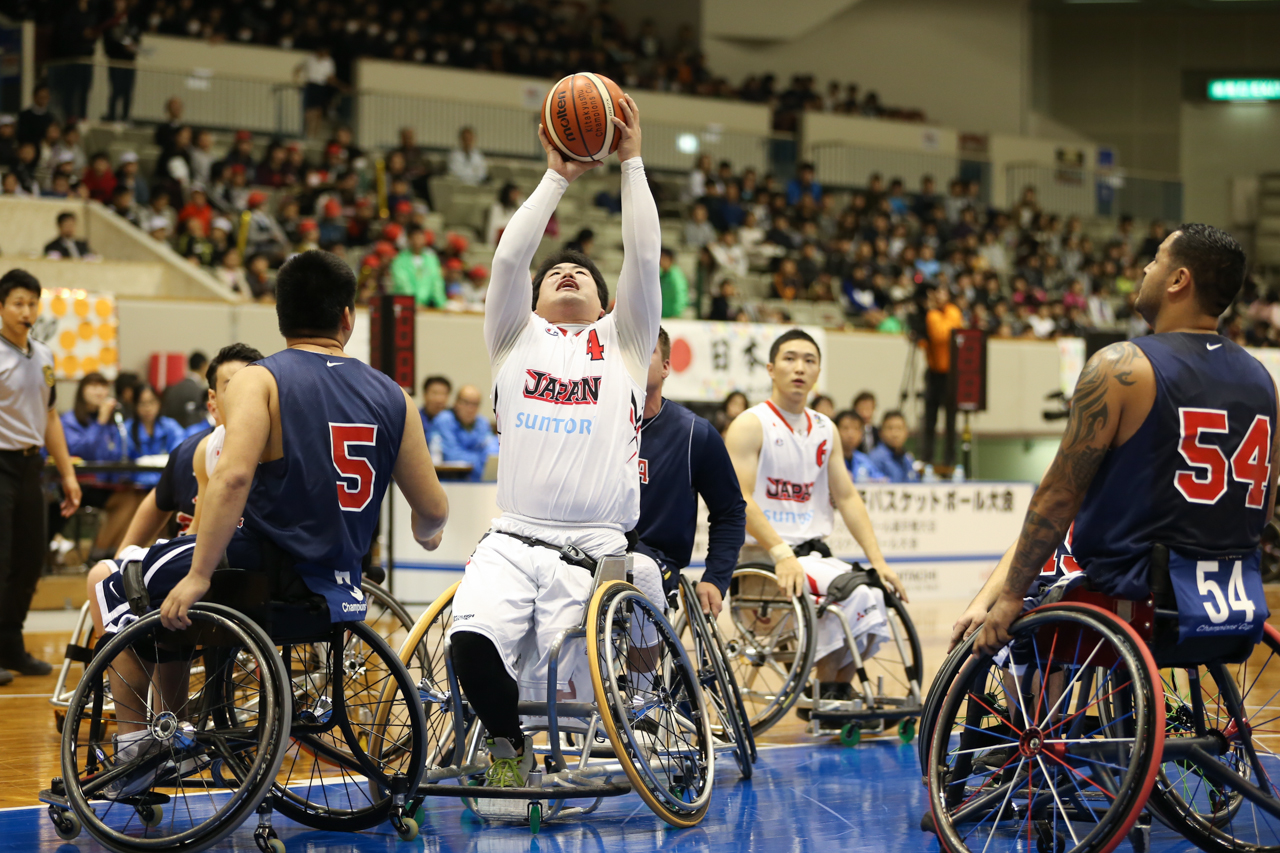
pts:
[864, 610]
[646, 577]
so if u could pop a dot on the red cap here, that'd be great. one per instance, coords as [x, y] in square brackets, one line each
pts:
[308, 225]
[364, 201]
[392, 232]
[477, 272]
[370, 260]
[385, 249]
[457, 242]
[332, 209]
[237, 168]
[242, 135]
[404, 207]
[257, 198]
[453, 264]
[333, 148]
[429, 236]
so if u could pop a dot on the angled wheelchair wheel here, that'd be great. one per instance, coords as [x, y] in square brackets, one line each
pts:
[1054, 749]
[357, 731]
[386, 615]
[423, 652]
[1240, 703]
[771, 643]
[651, 705]
[894, 671]
[160, 792]
[947, 674]
[730, 725]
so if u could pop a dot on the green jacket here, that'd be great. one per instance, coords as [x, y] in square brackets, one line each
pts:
[419, 276]
[675, 291]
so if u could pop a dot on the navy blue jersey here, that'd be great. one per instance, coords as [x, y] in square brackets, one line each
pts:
[341, 423]
[682, 456]
[1196, 476]
[176, 491]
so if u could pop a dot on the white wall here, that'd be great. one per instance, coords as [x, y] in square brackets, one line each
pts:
[1221, 142]
[964, 62]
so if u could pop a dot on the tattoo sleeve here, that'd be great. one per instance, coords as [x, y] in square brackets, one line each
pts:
[1085, 443]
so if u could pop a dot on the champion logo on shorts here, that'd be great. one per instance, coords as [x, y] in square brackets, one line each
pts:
[553, 389]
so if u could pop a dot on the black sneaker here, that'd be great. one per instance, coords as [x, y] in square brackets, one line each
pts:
[5, 677]
[26, 665]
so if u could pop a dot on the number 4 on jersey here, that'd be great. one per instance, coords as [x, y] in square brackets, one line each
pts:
[593, 346]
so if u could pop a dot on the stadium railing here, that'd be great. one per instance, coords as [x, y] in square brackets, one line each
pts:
[1072, 191]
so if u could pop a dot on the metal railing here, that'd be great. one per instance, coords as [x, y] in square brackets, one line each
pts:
[840, 165]
[1070, 191]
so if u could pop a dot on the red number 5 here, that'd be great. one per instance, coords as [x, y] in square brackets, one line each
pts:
[1250, 464]
[355, 486]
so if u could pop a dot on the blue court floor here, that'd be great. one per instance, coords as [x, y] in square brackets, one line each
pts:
[808, 798]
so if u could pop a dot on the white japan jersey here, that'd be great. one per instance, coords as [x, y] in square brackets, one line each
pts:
[568, 413]
[791, 478]
[213, 448]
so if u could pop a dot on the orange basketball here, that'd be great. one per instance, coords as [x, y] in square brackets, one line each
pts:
[577, 115]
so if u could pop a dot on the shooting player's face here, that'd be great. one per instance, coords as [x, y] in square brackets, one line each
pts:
[568, 293]
[795, 369]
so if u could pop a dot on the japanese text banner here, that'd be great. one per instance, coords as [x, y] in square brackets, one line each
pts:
[709, 360]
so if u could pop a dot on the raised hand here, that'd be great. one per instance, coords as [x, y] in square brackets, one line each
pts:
[570, 169]
[628, 130]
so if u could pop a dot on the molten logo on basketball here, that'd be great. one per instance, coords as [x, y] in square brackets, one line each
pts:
[562, 116]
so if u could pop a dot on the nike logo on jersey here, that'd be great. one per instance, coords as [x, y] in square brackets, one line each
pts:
[553, 389]
[1212, 346]
[785, 490]
[328, 363]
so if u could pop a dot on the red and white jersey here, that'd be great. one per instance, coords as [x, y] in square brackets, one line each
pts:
[791, 477]
[568, 411]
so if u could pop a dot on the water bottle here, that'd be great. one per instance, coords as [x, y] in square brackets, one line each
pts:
[957, 475]
[929, 476]
[436, 445]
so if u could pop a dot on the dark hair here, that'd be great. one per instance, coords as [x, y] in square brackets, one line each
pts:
[312, 290]
[792, 335]
[64, 216]
[846, 414]
[664, 343]
[127, 380]
[506, 191]
[16, 279]
[1216, 262]
[196, 361]
[231, 352]
[813, 404]
[732, 394]
[666, 250]
[569, 256]
[137, 418]
[892, 413]
[863, 395]
[433, 380]
[80, 408]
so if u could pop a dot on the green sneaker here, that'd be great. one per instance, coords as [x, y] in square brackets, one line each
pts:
[508, 769]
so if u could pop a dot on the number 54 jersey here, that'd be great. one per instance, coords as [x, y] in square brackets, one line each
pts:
[341, 423]
[1196, 476]
[569, 413]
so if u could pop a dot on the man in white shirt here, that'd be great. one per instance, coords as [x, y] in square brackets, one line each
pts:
[316, 73]
[466, 162]
[569, 393]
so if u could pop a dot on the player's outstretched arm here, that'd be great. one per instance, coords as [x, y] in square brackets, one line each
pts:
[415, 474]
[713, 477]
[1109, 382]
[639, 302]
[743, 441]
[854, 512]
[246, 412]
[509, 299]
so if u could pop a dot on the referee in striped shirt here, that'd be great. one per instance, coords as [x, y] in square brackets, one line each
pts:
[28, 421]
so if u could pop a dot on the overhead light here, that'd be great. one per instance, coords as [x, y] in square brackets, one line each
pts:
[687, 143]
[1244, 89]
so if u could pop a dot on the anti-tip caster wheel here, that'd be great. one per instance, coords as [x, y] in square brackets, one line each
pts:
[907, 730]
[535, 817]
[65, 823]
[408, 829]
[850, 735]
[151, 815]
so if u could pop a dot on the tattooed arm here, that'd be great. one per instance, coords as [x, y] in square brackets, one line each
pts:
[1113, 396]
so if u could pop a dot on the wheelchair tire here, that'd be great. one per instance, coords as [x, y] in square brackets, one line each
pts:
[423, 652]
[240, 654]
[365, 752]
[737, 694]
[386, 614]
[769, 702]
[679, 789]
[937, 692]
[1212, 817]
[716, 682]
[1071, 646]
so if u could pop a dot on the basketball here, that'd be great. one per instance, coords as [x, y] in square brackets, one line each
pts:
[577, 115]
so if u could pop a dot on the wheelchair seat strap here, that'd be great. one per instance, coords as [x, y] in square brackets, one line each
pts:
[571, 554]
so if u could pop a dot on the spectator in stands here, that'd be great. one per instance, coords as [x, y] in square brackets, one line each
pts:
[127, 176]
[230, 271]
[198, 208]
[786, 282]
[890, 456]
[333, 229]
[166, 130]
[1155, 236]
[10, 186]
[730, 258]
[241, 153]
[823, 405]
[583, 243]
[61, 187]
[675, 286]
[201, 155]
[25, 171]
[71, 68]
[184, 400]
[864, 405]
[261, 288]
[698, 231]
[122, 204]
[95, 432]
[416, 272]
[65, 245]
[193, 244]
[266, 237]
[699, 178]
[942, 319]
[159, 228]
[150, 433]
[34, 121]
[173, 168]
[121, 39]
[99, 179]
[465, 436]
[159, 208]
[734, 404]
[852, 430]
[316, 76]
[48, 158]
[466, 162]
[803, 184]
[8, 142]
[500, 212]
[435, 399]
[273, 171]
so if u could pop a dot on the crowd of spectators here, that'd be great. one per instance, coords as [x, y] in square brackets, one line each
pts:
[537, 38]
[457, 434]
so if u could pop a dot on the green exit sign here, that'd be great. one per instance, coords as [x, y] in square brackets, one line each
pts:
[1244, 89]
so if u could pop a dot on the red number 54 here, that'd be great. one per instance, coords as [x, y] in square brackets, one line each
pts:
[1206, 483]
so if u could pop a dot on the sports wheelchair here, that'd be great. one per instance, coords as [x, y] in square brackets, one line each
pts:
[646, 729]
[262, 704]
[1096, 718]
[772, 639]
